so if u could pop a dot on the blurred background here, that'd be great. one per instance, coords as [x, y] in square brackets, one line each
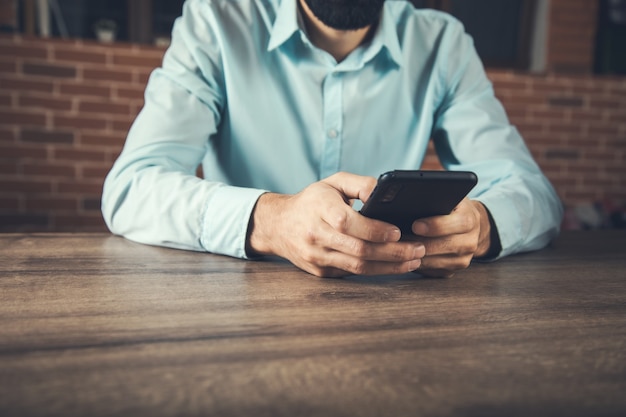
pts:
[72, 74]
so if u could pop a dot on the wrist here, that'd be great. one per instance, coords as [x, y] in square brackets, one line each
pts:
[263, 225]
[484, 236]
[489, 246]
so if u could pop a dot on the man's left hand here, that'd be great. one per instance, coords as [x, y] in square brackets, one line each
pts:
[453, 240]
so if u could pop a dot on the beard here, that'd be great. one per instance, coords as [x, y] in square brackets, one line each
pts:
[346, 14]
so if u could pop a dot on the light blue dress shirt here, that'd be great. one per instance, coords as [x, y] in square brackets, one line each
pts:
[244, 92]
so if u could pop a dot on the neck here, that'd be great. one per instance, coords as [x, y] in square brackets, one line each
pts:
[338, 43]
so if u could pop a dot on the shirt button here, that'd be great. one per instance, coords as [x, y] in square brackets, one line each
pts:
[332, 133]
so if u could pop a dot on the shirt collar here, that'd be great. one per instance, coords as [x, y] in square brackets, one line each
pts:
[285, 25]
[288, 21]
[387, 36]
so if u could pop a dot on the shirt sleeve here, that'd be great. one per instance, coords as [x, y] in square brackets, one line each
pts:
[472, 132]
[152, 195]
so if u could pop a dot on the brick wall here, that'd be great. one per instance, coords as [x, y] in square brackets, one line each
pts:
[65, 108]
[571, 35]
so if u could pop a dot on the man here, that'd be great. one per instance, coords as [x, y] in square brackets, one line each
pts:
[293, 107]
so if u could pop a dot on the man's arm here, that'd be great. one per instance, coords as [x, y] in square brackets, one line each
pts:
[472, 132]
[152, 194]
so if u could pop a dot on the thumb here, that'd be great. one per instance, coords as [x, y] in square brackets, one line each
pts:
[352, 186]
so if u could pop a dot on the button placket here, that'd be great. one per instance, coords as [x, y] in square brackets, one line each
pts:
[333, 120]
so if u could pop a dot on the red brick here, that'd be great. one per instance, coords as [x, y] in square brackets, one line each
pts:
[607, 102]
[562, 153]
[79, 89]
[8, 166]
[617, 169]
[43, 102]
[52, 203]
[25, 186]
[107, 75]
[603, 129]
[91, 188]
[114, 140]
[566, 101]
[5, 100]
[132, 93]
[544, 141]
[601, 155]
[96, 172]
[91, 204]
[10, 117]
[589, 115]
[565, 183]
[138, 60]
[7, 67]
[46, 136]
[552, 171]
[141, 77]
[103, 108]
[48, 169]
[79, 122]
[21, 85]
[23, 51]
[9, 203]
[49, 70]
[78, 155]
[79, 56]
[19, 151]
[122, 126]
[516, 84]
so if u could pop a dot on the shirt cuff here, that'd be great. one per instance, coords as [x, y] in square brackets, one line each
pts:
[225, 220]
[505, 217]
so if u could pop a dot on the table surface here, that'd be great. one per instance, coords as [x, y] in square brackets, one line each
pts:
[95, 325]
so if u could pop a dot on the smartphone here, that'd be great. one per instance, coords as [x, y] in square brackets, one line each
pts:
[401, 197]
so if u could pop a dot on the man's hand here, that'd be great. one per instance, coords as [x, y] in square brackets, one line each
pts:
[452, 241]
[319, 231]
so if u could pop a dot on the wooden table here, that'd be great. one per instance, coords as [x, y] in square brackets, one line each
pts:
[95, 325]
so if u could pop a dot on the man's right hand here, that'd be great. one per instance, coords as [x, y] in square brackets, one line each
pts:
[319, 232]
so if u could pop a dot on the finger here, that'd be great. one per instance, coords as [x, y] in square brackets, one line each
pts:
[460, 220]
[346, 221]
[332, 263]
[359, 266]
[369, 251]
[453, 245]
[329, 238]
[442, 265]
[352, 185]
[436, 273]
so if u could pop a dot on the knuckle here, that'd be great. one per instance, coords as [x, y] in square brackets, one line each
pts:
[309, 257]
[400, 253]
[464, 223]
[358, 267]
[359, 248]
[468, 248]
[462, 262]
[339, 221]
[311, 237]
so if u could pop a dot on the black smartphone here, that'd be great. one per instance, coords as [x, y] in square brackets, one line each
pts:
[401, 197]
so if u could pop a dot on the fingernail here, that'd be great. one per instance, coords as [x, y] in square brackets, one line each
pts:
[420, 228]
[419, 251]
[392, 235]
[413, 265]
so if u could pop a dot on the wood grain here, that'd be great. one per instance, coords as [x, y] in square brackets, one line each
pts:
[92, 324]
